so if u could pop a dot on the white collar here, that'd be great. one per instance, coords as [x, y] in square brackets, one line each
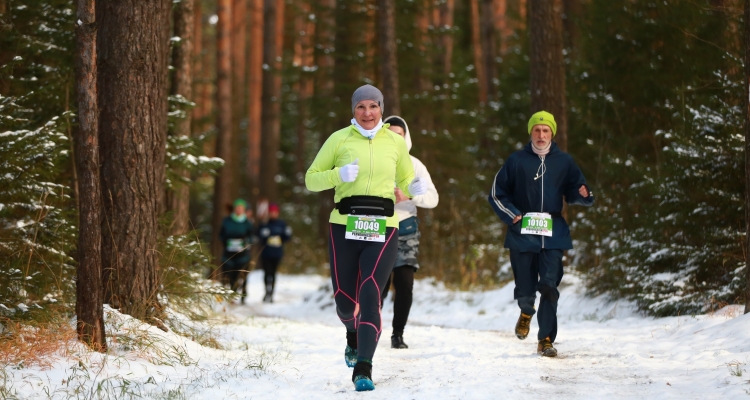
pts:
[365, 132]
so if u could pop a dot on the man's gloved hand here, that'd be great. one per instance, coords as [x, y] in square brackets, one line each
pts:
[348, 172]
[417, 187]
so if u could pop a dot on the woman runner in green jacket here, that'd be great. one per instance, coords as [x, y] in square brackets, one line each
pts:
[362, 162]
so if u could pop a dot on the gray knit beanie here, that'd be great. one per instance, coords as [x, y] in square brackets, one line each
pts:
[368, 92]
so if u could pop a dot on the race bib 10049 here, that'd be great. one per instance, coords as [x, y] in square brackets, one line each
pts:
[536, 224]
[370, 228]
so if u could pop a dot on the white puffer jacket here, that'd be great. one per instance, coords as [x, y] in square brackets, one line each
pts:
[408, 208]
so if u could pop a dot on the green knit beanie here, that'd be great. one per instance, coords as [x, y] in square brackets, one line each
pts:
[240, 202]
[543, 118]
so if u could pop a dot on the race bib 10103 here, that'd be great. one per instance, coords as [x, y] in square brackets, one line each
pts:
[370, 228]
[537, 224]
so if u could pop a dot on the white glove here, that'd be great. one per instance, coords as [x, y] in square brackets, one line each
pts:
[417, 187]
[348, 172]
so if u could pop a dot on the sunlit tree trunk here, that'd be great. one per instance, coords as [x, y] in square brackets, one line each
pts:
[388, 62]
[547, 66]
[89, 291]
[239, 90]
[179, 196]
[223, 179]
[478, 50]
[255, 96]
[487, 27]
[198, 64]
[446, 19]
[133, 58]
[304, 59]
[500, 12]
[273, 37]
[326, 42]
[423, 70]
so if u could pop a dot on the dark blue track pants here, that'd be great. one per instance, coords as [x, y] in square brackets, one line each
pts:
[359, 271]
[538, 272]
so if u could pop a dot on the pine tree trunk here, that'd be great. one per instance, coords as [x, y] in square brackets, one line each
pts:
[274, 35]
[305, 30]
[501, 25]
[255, 96]
[133, 58]
[747, 155]
[326, 41]
[388, 57]
[423, 70]
[239, 90]
[476, 44]
[179, 196]
[547, 66]
[89, 291]
[198, 64]
[223, 180]
[446, 17]
[488, 45]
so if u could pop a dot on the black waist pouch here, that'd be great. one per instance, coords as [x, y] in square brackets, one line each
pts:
[366, 205]
[408, 226]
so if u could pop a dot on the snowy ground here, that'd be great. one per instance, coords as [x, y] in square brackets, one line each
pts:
[461, 347]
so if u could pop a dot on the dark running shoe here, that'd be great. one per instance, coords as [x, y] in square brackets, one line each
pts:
[397, 342]
[522, 326]
[362, 377]
[545, 348]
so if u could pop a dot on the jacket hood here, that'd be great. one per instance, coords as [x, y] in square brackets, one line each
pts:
[407, 137]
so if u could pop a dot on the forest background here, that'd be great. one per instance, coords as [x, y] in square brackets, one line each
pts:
[650, 96]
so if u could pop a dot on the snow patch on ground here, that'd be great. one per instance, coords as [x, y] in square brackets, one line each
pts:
[461, 346]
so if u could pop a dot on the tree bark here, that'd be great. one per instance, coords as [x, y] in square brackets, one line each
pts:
[182, 84]
[423, 70]
[326, 41]
[500, 11]
[388, 57]
[133, 60]
[223, 180]
[747, 155]
[476, 44]
[255, 96]
[198, 64]
[89, 292]
[488, 45]
[547, 66]
[446, 17]
[274, 35]
[239, 90]
[305, 31]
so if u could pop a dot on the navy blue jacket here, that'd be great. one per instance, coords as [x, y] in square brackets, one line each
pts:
[231, 229]
[529, 183]
[272, 235]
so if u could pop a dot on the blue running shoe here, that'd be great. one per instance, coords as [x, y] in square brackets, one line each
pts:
[350, 357]
[363, 383]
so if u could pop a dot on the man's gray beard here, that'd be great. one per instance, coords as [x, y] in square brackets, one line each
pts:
[543, 148]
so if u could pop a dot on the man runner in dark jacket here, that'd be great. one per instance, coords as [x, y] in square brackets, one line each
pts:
[527, 194]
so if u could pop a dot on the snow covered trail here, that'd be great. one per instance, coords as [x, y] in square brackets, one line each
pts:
[462, 346]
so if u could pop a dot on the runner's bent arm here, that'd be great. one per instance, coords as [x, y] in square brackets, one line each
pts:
[431, 198]
[323, 174]
[404, 167]
[575, 180]
[500, 194]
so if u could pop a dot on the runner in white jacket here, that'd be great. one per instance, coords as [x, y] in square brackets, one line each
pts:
[408, 239]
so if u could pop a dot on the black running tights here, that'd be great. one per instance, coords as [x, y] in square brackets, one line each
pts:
[359, 270]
